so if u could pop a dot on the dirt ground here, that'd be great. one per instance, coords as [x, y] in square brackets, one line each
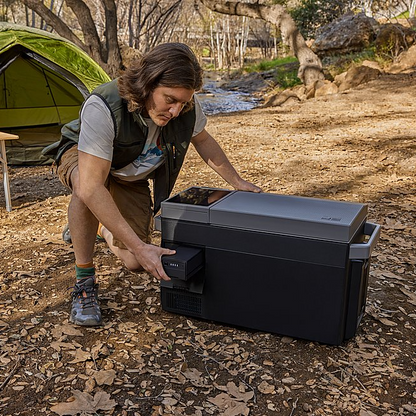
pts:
[357, 146]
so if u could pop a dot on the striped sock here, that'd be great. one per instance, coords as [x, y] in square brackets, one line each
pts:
[83, 271]
[100, 232]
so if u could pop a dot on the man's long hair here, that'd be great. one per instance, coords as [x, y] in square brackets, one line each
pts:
[170, 65]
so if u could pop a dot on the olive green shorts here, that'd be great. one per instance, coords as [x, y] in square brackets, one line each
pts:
[133, 199]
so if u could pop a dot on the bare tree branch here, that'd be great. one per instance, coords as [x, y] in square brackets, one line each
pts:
[106, 54]
[89, 30]
[310, 69]
[54, 21]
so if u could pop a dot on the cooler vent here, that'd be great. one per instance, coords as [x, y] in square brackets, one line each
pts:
[183, 302]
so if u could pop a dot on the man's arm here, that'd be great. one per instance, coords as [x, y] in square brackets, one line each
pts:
[211, 152]
[93, 172]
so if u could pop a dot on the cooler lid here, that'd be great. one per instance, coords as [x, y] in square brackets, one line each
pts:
[290, 215]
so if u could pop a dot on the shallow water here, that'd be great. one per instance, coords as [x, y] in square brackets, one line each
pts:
[215, 100]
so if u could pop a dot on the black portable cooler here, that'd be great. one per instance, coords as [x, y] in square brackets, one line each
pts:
[289, 265]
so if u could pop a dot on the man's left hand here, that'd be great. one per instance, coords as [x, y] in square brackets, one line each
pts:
[247, 186]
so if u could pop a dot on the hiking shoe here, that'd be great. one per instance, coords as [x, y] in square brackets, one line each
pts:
[85, 310]
[66, 235]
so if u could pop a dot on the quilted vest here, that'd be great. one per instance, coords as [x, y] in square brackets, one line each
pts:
[130, 138]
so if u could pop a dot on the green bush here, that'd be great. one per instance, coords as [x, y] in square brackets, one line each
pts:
[286, 70]
[311, 15]
[288, 79]
[338, 64]
[268, 65]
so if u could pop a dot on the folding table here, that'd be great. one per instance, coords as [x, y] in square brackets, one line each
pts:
[3, 160]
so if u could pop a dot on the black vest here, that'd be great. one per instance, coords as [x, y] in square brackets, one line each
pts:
[130, 138]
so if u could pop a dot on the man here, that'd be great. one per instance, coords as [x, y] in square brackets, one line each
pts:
[131, 130]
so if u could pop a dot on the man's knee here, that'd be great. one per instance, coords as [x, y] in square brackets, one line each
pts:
[74, 181]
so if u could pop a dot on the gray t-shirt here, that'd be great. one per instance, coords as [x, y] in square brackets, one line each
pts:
[97, 136]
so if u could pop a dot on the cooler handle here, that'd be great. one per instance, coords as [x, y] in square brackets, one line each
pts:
[360, 251]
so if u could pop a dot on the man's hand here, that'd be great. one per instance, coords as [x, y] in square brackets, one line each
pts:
[150, 258]
[247, 186]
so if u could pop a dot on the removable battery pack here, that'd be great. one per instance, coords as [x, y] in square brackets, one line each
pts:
[185, 263]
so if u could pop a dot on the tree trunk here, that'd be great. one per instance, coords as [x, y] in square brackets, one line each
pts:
[310, 69]
[412, 9]
[108, 56]
[112, 48]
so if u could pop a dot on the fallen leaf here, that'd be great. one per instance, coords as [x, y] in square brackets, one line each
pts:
[387, 322]
[266, 388]
[239, 395]
[194, 376]
[366, 413]
[105, 377]
[60, 330]
[80, 356]
[409, 294]
[99, 349]
[229, 406]
[288, 380]
[62, 345]
[84, 403]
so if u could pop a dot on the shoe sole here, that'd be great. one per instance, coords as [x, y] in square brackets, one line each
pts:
[85, 323]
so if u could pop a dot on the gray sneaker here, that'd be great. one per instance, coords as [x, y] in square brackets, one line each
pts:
[66, 234]
[85, 310]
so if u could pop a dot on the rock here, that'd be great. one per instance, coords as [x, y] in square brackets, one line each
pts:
[349, 33]
[310, 90]
[327, 89]
[300, 91]
[392, 39]
[372, 64]
[293, 99]
[358, 75]
[248, 83]
[284, 98]
[339, 79]
[405, 61]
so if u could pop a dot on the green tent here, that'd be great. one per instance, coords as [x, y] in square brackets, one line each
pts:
[44, 79]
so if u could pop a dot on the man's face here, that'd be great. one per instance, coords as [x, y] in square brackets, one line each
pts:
[165, 103]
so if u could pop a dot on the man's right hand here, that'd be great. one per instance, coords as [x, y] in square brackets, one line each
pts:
[150, 257]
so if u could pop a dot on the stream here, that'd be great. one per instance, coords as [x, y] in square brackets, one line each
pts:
[215, 99]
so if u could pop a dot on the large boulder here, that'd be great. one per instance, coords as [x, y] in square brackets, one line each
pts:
[392, 39]
[349, 33]
[357, 75]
